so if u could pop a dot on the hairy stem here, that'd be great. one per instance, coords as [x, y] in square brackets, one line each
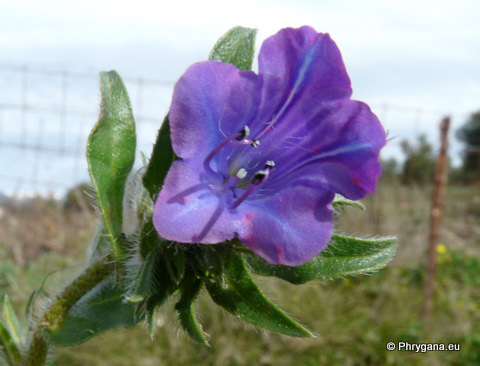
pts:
[55, 315]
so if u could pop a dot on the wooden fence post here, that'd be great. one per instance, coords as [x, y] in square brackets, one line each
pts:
[439, 183]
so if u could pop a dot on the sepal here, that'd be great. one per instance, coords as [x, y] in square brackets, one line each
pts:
[189, 289]
[143, 281]
[163, 285]
[340, 201]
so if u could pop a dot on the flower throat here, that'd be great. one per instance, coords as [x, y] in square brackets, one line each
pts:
[256, 182]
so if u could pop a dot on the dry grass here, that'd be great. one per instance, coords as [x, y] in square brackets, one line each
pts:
[31, 228]
[354, 318]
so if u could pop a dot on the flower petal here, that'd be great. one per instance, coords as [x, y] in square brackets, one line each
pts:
[211, 100]
[299, 107]
[300, 68]
[188, 211]
[338, 148]
[289, 227]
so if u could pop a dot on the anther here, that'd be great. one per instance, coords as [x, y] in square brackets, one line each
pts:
[269, 164]
[243, 133]
[255, 143]
[242, 173]
[258, 177]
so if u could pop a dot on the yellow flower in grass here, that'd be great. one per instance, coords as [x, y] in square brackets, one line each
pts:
[443, 255]
[441, 249]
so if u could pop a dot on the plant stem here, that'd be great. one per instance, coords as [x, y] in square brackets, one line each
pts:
[55, 315]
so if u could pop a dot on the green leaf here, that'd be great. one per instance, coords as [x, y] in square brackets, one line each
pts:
[190, 288]
[162, 158]
[11, 322]
[111, 153]
[340, 201]
[343, 256]
[99, 310]
[235, 290]
[8, 348]
[236, 47]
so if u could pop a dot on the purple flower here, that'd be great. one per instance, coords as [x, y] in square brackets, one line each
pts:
[263, 155]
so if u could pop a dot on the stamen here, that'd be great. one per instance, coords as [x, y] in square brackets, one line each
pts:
[238, 138]
[257, 181]
[254, 143]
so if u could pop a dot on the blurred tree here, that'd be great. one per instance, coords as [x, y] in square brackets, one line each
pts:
[469, 133]
[419, 164]
[389, 169]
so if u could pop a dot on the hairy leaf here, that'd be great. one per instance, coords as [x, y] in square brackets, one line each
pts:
[111, 153]
[236, 47]
[235, 290]
[99, 310]
[343, 256]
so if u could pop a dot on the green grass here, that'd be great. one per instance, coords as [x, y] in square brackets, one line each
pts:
[353, 318]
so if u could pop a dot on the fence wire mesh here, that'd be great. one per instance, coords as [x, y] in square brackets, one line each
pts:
[45, 118]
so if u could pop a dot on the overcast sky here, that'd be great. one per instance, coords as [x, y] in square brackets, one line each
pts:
[423, 55]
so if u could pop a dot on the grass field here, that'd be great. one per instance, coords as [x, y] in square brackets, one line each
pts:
[353, 318]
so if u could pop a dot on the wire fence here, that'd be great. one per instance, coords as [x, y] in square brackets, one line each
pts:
[45, 119]
[46, 116]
